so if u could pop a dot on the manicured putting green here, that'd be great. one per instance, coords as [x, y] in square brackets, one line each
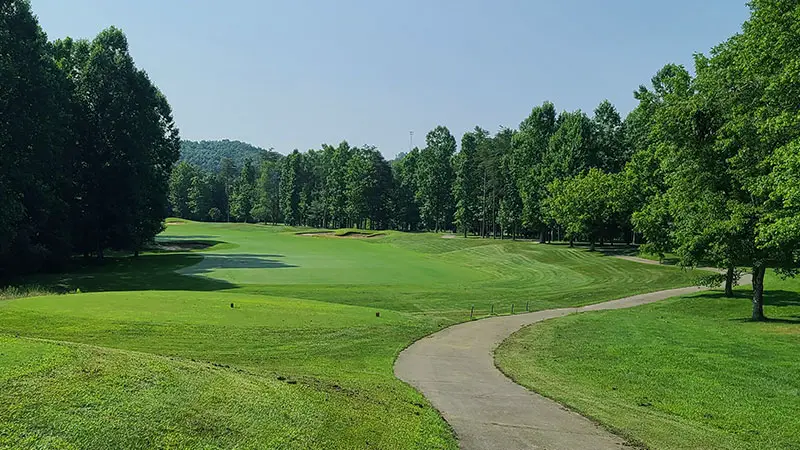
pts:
[683, 373]
[148, 356]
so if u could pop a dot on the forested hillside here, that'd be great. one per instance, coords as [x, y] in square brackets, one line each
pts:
[207, 155]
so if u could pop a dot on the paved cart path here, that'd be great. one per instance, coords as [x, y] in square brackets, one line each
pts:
[455, 370]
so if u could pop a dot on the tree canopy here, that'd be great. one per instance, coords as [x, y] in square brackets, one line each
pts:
[87, 145]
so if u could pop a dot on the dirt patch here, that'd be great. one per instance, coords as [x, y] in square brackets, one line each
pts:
[449, 236]
[787, 330]
[318, 234]
[182, 246]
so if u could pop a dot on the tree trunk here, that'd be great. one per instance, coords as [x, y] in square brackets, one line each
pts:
[758, 293]
[543, 236]
[591, 244]
[729, 282]
[484, 227]
[571, 243]
[136, 253]
[494, 223]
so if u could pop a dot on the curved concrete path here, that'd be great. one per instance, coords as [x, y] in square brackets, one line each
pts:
[455, 370]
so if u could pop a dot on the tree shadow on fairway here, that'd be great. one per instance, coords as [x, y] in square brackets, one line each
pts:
[142, 273]
[212, 262]
[775, 298]
[159, 271]
[615, 250]
[782, 298]
[175, 237]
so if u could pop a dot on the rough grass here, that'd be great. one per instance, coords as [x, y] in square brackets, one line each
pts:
[153, 355]
[689, 372]
[12, 292]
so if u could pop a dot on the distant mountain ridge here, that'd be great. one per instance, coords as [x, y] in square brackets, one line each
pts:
[207, 154]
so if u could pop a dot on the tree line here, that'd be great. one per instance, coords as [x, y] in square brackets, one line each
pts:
[87, 144]
[705, 166]
[496, 185]
[340, 186]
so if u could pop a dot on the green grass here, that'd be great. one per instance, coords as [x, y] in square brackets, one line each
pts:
[151, 354]
[87, 397]
[688, 372]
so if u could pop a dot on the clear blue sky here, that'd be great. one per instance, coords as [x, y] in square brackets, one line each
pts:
[296, 74]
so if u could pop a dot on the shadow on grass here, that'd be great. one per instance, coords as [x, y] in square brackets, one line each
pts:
[172, 237]
[618, 249]
[143, 273]
[236, 261]
[795, 320]
[633, 250]
[776, 298]
[782, 298]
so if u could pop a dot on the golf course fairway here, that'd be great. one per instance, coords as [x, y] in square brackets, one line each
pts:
[267, 338]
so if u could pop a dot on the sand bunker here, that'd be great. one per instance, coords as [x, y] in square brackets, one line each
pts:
[318, 234]
[345, 235]
[182, 245]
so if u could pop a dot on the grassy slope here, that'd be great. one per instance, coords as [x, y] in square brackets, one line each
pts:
[300, 362]
[683, 373]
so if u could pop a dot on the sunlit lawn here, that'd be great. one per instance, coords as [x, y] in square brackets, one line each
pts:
[688, 372]
[151, 353]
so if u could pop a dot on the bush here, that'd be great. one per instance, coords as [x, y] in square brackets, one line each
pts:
[12, 292]
[215, 214]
